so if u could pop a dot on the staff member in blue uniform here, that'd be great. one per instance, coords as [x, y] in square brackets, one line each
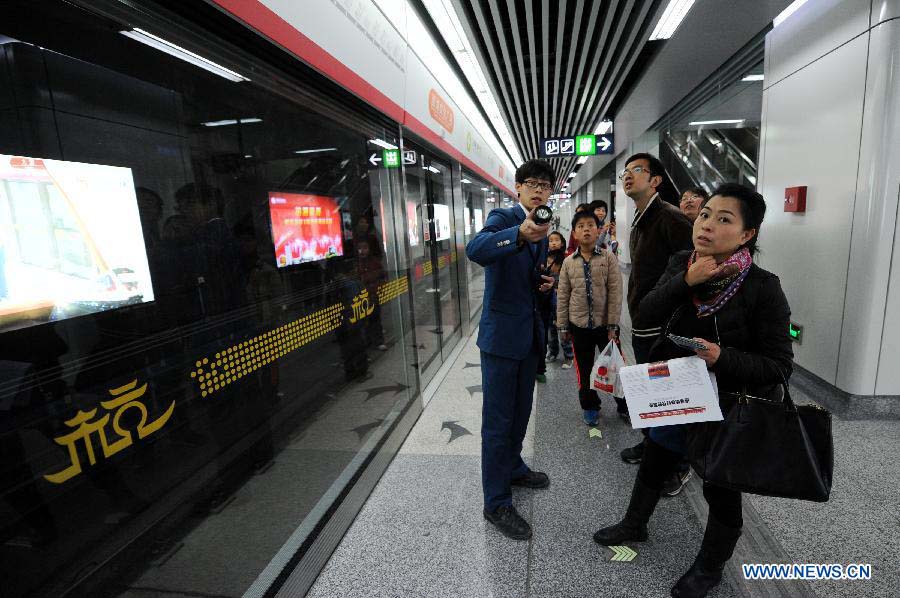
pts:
[511, 247]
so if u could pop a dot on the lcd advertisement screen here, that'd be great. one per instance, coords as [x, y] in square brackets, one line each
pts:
[70, 241]
[441, 221]
[305, 228]
[412, 223]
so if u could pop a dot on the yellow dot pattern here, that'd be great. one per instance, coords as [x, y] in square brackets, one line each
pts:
[426, 267]
[393, 289]
[213, 373]
[442, 261]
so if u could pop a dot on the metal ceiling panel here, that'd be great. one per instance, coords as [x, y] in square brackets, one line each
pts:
[556, 66]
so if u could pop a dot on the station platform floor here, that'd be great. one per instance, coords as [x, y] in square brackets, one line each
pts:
[421, 532]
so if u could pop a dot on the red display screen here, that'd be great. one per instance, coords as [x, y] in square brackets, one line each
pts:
[305, 228]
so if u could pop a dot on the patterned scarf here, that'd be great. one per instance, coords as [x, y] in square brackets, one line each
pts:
[712, 295]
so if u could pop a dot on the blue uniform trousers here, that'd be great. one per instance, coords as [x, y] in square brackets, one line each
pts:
[508, 387]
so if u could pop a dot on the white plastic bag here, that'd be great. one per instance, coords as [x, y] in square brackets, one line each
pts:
[605, 373]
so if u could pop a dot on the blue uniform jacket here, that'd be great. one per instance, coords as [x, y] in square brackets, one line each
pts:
[509, 318]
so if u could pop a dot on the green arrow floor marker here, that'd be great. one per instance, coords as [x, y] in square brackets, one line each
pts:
[622, 554]
[595, 433]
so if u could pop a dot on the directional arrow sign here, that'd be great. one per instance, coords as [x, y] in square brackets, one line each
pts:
[603, 144]
[473, 389]
[374, 392]
[374, 159]
[595, 433]
[622, 554]
[365, 428]
[456, 430]
[471, 365]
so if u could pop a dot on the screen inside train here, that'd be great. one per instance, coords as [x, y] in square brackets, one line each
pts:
[305, 228]
[71, 241]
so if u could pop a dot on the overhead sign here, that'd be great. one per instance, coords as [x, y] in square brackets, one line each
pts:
[577, 145]
[410, 158]
[390, 157]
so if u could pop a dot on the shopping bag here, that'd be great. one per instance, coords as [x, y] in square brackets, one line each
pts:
[618, 392]
[605, 373]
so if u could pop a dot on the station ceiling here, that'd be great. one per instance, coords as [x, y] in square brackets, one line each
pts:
[560, 67]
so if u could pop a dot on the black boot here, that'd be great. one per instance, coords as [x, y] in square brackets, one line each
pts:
[634, 526]
[706, 572]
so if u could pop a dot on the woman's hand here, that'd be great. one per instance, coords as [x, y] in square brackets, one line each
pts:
[711, 354]
[703, 269]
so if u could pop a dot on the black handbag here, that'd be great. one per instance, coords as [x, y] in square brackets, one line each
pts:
[766, 447]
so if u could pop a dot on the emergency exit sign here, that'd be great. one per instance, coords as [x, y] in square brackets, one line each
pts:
[391, 158]
[796, 331]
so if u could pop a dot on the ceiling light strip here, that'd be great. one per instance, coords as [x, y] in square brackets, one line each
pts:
[674, 14]
[171, 49]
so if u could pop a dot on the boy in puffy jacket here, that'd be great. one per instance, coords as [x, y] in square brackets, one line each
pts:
[589, 303]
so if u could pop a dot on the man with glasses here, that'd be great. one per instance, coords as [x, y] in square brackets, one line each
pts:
[658, 231]
[512, 248]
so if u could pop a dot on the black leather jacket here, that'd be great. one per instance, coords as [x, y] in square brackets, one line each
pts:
[752, 328]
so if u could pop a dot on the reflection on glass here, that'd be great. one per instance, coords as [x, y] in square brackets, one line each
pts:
[257, 349]
[70, 241]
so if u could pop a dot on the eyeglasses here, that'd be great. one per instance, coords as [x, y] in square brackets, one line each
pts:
[537, 186]
[690, 197]
[633, 171]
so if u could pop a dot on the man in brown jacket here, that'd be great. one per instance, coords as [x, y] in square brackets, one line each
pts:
[658, 231]
[588, 304]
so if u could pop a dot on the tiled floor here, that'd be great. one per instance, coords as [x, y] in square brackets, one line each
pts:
[421, 532]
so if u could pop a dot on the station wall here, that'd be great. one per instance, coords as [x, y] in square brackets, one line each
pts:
[833, 59]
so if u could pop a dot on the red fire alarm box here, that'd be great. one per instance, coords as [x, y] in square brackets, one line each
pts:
[795, 199]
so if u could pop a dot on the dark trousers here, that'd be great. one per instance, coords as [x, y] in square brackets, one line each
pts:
[508, 386]
[542, 359]
[553, 343]
[585, 341]
[659, 463]
[671, 437]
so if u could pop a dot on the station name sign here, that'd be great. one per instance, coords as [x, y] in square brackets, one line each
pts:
[577, 145]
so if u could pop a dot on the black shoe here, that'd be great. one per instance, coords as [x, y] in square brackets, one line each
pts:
[634, 454]
[706, 572]
[532, 479]
[633, 528]
[676, 482]
[509, 522]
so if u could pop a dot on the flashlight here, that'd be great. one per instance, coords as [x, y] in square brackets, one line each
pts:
[542, 215]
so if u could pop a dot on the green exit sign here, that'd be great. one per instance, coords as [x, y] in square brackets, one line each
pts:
[796, 332]
[391, 158]
[585, 145]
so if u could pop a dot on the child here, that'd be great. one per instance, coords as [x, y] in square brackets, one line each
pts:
[555, 256]
[589, 302]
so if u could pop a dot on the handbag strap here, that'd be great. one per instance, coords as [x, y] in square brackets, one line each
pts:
[787, 400]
